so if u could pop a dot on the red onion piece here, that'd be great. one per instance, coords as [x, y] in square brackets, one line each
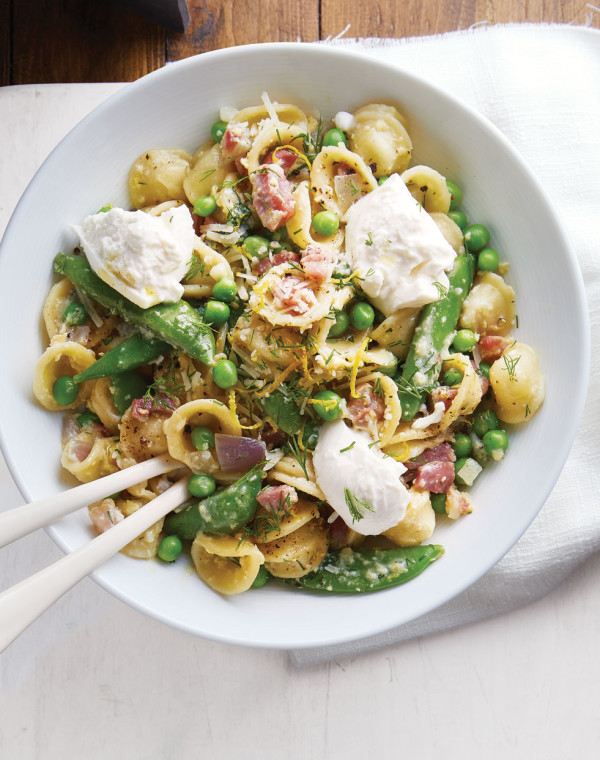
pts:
[236, 454]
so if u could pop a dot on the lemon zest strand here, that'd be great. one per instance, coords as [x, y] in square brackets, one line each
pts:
[294, 150]
[355, 363]
[282, 377]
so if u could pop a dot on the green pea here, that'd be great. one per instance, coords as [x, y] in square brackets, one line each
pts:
[216, 313]
[257, 246]
[476, 237]
[330, 406]
[310, 435]
[488, 260]
[203, 438]
[125, 386]
[340, 325]
[201, 485]
[75, 314]
[464, 341]
[456, 195]
[389, 369]
[459, 218]
[205, 205]
[461, 445]
[224, 289]
[217, 130]
[87, 418]
[261, 578]
[484, 369]
[326, 223]
[169, 548]
[495, 442]
[485, 420]
[225, 374]
[381, 180]
[65, 390]
[362, 315]
[438, 502]
[334, 137]
[453, 376]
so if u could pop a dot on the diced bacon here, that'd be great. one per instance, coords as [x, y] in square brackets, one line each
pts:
[458, 503]
[491, 347]
[283, 257]
[443, 452]
[275, 498]
[370, 407]
[318, 262]
[293, 294]
[201, 222]
[104, 515]
[141, 408]
[272, 196]
[436, 477]
[283, 157]
[241, 168]
[443, 393]
[236, 141]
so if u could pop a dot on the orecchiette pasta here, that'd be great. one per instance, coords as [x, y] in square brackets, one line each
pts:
[518, 383]
[225, 563]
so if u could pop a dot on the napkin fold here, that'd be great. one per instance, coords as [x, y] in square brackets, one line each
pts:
[540, 85]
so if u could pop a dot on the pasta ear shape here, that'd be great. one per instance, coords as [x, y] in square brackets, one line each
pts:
[517, 383]
[208, 266]
[418, 523]
[208, 168]
[227, 564]
[63, 357]
[490, 306]
[89, 457]
[428, 187]
[380, 138]
[297, 553]
[324, 172]
[208, 413]
[157, 175]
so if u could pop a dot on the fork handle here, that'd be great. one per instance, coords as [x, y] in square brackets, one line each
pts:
[23, 603]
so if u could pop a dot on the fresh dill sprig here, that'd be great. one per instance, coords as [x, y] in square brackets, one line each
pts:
[292, 447]
[355, 505]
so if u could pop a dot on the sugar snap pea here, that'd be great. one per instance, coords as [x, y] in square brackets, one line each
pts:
[131, 353]
[436, 324]
[349, 571]
[176, 323]
[282, 409]
[224, 512]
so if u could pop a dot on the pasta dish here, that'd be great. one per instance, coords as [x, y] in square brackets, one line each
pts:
[312, 327]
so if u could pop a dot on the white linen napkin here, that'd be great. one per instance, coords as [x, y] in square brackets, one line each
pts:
[540, 85]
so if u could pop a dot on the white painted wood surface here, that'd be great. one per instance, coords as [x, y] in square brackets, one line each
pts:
[93, 678]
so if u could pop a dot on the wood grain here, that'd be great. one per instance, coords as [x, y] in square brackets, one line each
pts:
[88, 41]
[81, 41]
[385, 18]
[217, 24]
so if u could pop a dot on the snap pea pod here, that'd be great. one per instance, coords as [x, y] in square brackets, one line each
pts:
[131, 353]
[224, 512]
[176, 323]
[282, 409]
[437, 322]
[349, 571]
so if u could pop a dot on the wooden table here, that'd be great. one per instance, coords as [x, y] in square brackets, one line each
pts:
[45, 41]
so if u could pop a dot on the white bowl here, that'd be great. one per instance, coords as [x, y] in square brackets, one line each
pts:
[175, 107]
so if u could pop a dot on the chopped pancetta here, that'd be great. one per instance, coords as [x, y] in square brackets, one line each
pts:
[283, 257]
[272, 196]
[161, 403]
[436, 477]
[275, 498]
[318, 262]
[293, 294]
[491, 347]
[368, 407]
[236, 141]
[283, 157]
